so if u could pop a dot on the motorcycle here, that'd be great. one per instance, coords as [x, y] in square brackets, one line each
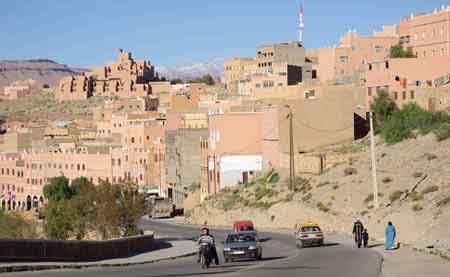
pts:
[205, 255]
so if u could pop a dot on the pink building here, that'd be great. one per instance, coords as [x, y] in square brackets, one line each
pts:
[417, 80]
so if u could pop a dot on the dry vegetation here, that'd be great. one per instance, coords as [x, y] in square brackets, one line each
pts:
[43, 106]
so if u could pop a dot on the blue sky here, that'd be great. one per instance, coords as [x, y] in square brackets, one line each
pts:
[177, 32]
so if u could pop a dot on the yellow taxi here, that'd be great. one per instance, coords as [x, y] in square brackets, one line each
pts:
[308, 234]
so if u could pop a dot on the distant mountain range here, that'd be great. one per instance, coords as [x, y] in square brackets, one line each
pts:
[43, 70]
[50, 72]
[214, 68]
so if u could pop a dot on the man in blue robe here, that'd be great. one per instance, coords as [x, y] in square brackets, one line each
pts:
[390, 234]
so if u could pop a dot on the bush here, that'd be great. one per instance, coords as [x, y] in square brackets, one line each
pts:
[401, 124]
[322, 207]
[417, 207]
[430, 156]
[395, 195]
[383, 108]
[350, 171]
[307, 197]
[369, 198]
[442, 132]
[415, 196]
[444, 202]
[14, 226]
[430, 189]
[417, 174]
[386, 180]
[230, 202]
[335, 187]
[262, 192]
[397, 51]
[322, 184]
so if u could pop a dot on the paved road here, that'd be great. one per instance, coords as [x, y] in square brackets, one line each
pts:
[280, 258]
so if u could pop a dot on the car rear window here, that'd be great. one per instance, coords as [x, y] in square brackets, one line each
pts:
[240, 238]
[311, 229]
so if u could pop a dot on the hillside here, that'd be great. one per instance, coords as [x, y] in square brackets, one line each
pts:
[414, 188]
[194, 70]
[42, 70]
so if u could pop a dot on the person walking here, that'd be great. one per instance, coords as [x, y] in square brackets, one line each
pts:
[358, 229]
[366, 238]
[390, 234]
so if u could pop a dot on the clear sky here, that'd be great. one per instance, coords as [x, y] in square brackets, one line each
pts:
[176, 32]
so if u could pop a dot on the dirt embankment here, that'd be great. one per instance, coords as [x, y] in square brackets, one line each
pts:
[414, 193]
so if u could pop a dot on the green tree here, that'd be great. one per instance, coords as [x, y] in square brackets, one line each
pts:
[176, 81]
[397, 51]
[58, 220]
[58, 189]
[383, 108]
[82, 207]
[131, 208]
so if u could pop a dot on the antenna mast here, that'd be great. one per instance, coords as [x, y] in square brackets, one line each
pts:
[301, 24]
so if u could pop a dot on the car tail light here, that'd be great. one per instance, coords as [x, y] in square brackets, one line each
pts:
[319, 235]
[304, 236]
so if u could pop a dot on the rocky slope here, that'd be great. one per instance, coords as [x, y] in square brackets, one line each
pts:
[414, 182]
[42, 70]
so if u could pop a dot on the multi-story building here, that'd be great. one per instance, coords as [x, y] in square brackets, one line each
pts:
[427, 34]
[424, 81]
[125, 78]
[346, 62]
[236, 70]
[20, 89]
[182, 161]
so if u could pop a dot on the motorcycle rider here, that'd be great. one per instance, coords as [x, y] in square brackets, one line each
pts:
[206, 237]
[358, 229]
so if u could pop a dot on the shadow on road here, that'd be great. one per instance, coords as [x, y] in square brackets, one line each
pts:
[375, 245]
[161, 244]
[265, 239]
[200, 273]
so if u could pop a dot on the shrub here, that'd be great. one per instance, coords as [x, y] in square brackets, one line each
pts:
[383, 108]
[417, 207]
[401, 124]
[14, 226]
[369, 198]
[363, 213]
[442, 132]
[188, 213]
[263, 191]
[335, 187]
[386, 180]
[231, 201]
[415, 196]
[322, 184]
[395, 195]
[307, 197]
[417, 174]
[289, 197]
[430, 156]
[322, 207]
[350, 171]
[397, 51]
[430, 189]
[444, 202]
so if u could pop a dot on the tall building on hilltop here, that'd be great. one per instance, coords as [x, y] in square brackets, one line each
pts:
[124, 78]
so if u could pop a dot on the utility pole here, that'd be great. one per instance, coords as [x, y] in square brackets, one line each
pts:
[374, 166]
[291, 149]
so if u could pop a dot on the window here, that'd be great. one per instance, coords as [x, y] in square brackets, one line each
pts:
[387, 64]
[369, 92]
[412, 94]
[343, 59]
[132, 140]
[395, 95]
[83, 167]
[404, 95]
[370, 67]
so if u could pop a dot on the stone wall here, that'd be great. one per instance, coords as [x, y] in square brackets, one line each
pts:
[73, 251]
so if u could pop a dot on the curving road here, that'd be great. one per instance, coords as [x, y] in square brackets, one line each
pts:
[280, 258]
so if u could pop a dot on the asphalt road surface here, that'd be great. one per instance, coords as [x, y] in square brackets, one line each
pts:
[280, 258]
